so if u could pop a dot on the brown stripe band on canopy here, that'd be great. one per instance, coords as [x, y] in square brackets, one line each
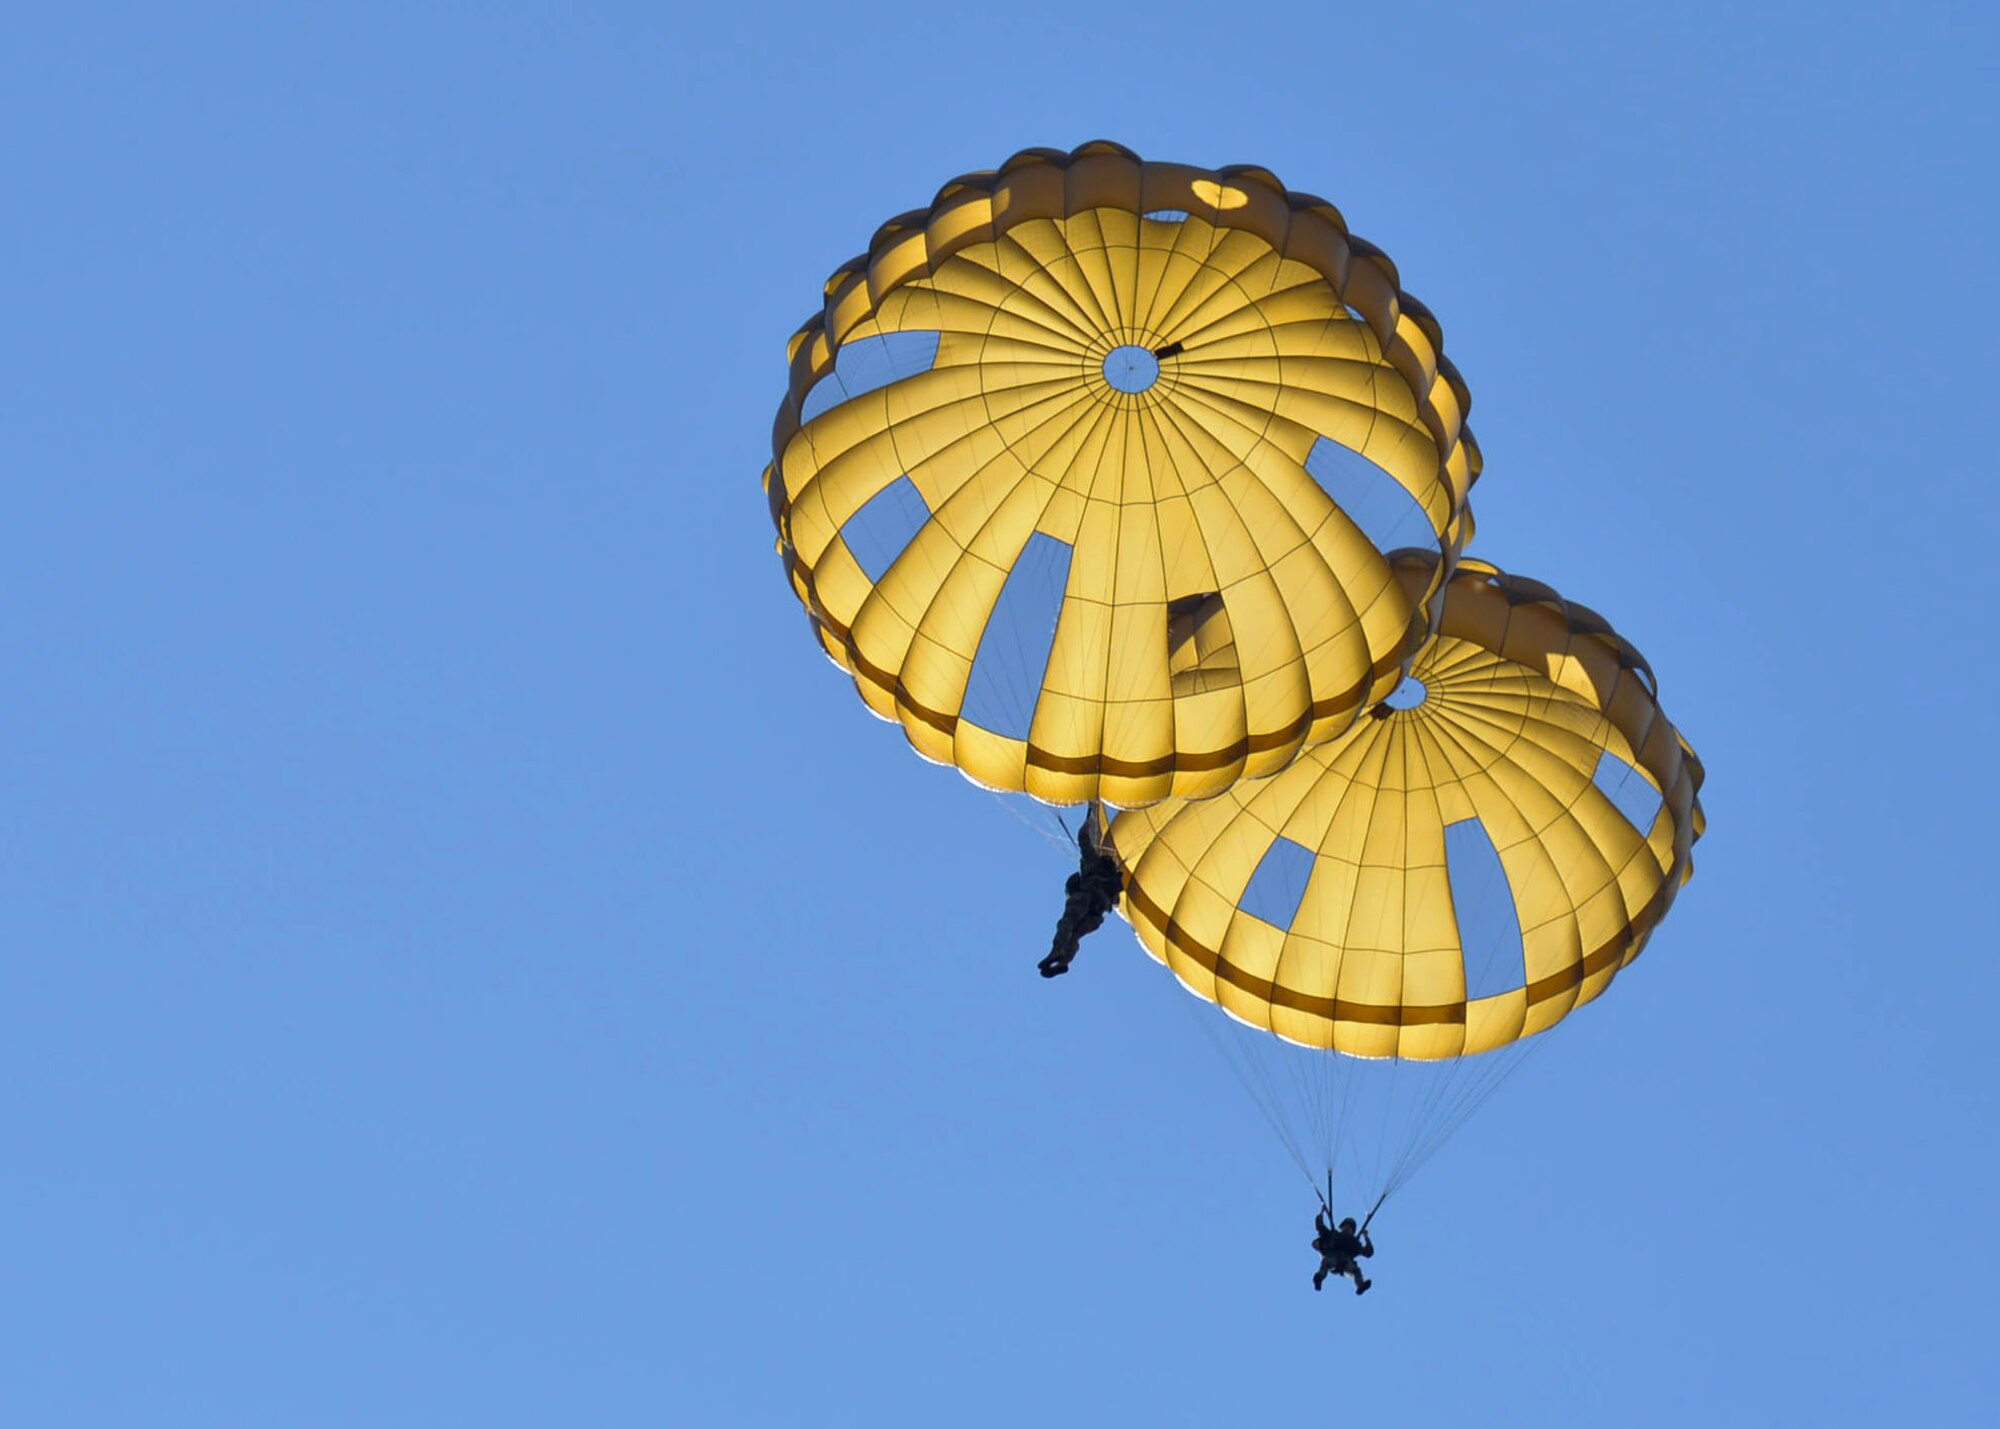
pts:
[1613, 954]
[947, 724]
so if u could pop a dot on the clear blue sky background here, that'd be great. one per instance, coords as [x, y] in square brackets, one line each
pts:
[469, 961]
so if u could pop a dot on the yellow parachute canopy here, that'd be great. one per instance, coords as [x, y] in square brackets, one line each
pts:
[1458, 872]
[1088, 471]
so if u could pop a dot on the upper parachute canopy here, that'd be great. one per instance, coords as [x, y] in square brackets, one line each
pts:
[1457, 872]
[1087, 474]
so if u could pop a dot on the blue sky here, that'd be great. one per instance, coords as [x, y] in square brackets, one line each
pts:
[466, 959]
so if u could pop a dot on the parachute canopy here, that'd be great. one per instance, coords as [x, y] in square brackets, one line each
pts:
[1454, 874]
[1087, 474]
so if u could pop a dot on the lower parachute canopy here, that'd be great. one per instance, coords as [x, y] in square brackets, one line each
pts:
[1454, 875]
